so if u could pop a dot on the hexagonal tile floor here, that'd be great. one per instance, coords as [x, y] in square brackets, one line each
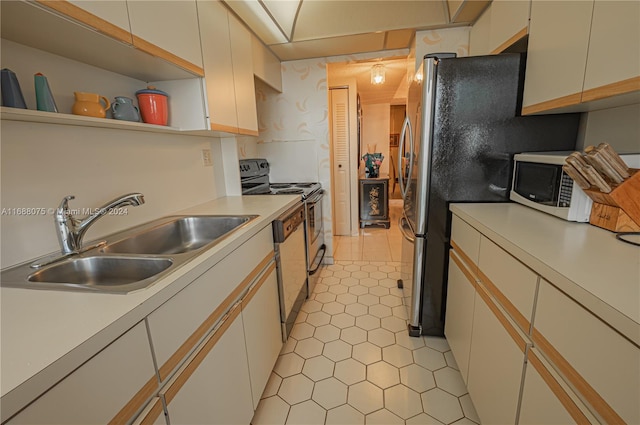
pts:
[350, 361]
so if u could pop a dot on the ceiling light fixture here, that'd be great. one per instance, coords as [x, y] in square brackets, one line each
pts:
[377, 74]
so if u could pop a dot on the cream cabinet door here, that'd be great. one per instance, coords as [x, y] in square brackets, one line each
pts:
[614, 50]
[111, 386]
[266, 66]
[168, 29]
[113, 12]
[598, 361]
[509, 281]
[218, 67]
[479, 35]
[174, 333]
[153, 414]
[262, 330]
[458, 324]
[242, 59]
[213, 386]
[546, 399]
[557, 54]
[509, 23]
[496, 362]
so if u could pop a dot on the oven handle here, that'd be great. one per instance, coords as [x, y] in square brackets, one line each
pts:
[323, 247]
[316, 197]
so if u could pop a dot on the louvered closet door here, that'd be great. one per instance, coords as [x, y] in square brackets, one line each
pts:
[340, 144]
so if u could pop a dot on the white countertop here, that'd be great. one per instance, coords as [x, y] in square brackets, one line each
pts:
[46, 334]
[584, 261]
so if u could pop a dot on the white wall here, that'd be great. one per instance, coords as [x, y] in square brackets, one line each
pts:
[454, 40]
[620, 127]
[376, 122]
[42, 163]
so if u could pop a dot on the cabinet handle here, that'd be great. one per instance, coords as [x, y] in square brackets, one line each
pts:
[555, 387]
[256, 287]
[191, 342]
[205, 349]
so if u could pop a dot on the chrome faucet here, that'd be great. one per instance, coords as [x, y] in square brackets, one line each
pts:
[71, 230]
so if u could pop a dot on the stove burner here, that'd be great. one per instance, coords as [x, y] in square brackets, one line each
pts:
[305, 185]
[280, 185]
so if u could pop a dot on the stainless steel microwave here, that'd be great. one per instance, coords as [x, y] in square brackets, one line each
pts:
[539, 182]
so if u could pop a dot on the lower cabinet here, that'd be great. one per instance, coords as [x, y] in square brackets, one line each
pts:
[602, 365]
[496, 362]
[262, 330]
[545, 399]
[461, 293]
[110, 388]
[213, 386]
[568, 367]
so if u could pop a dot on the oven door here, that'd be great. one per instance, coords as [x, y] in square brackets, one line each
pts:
[315, 237]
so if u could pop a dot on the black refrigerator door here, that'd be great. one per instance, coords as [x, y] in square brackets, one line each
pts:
[476, 131]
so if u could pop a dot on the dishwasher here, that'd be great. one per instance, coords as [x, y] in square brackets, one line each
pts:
[291, 265]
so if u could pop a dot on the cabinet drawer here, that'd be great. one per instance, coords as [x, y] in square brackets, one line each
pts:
[109, 388]
[466, 241]
[546, 399]
[602, 365]
[180, 323]
[509, 281]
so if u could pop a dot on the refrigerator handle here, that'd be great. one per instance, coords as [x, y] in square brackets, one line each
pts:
[403, 224]
[405, 125]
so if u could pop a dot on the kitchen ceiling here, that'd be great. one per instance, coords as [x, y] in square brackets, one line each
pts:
[303, 29]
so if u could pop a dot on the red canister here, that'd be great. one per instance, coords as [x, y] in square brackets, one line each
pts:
[153, 105]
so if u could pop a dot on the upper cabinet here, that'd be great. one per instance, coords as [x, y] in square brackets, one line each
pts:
[504, 23]
[479, 35]
[613, 63]
[266, 66]
[228, 67]
[109, 17]
[169, 30]
[582, 55]
[98, 33]
[509, 23]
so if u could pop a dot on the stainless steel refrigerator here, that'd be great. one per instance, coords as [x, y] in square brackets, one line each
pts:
[461, 132]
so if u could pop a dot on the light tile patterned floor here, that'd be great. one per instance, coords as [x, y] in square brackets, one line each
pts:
[349, 359]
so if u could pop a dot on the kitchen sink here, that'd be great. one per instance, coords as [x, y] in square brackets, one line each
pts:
[177, 236]
[102, 272]
[129, 260]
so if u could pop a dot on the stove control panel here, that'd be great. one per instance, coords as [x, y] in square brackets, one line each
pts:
[253, 167]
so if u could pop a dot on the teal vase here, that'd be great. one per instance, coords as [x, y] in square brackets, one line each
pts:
[44, 97]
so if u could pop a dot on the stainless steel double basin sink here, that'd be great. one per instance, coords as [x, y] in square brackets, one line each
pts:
[132, 259]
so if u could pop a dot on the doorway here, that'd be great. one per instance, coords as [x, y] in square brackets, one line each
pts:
[363, 130]
[396, 119]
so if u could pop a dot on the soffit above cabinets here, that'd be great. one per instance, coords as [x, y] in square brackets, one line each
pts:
[302, 29]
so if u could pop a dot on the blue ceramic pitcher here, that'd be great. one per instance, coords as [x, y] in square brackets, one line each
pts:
[123, 109]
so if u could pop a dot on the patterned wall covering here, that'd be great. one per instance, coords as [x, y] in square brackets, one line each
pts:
[300, 113]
